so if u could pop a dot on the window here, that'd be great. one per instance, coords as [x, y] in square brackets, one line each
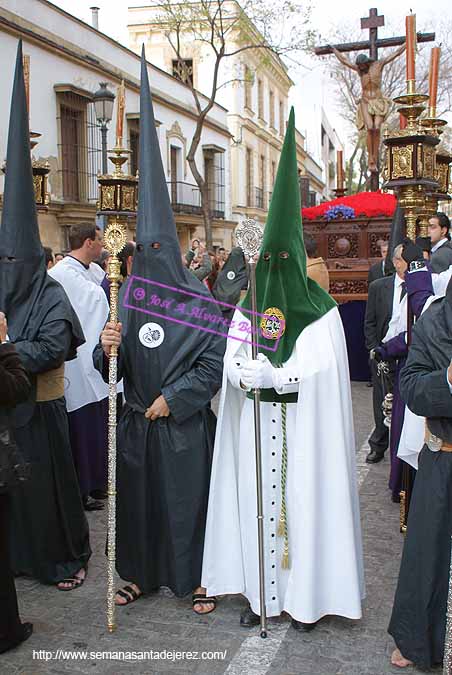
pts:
[248, 88]
[214, 176]
[79, 148]
[183, 70]
[273, 173]
[260, 191]
[174, 173]
[260, 99]
[134, 146]
[249, 177]
[281, 118]
[272, 109]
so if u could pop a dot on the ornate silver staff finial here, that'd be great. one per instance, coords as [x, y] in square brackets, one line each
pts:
[249, 235]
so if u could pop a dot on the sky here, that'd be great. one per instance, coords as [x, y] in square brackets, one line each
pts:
[312, 82]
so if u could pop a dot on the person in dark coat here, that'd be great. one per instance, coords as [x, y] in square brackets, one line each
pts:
[171, 370]
[15, 388]
[379, 269]
[376, 323]
[441, 252]
[418, 620]
[49, 530]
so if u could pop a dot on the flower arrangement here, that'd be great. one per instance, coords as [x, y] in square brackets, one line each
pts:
[367, 204]
[341, 211]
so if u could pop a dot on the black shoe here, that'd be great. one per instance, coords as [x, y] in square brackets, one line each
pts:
[90, 504]
[99, 494]
[369, 384]
[27, 630]
[374, 457]
[248, 618]
[306, 627]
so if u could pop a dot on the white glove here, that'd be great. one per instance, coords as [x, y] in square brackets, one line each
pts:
[257, 374]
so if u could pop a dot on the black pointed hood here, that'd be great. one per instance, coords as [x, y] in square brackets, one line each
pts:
[27, 294]
[160, 341]
[396, 237]
[22, 266]
[156, 226]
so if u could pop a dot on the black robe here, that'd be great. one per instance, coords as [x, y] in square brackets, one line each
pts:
[163, 470]
[419, 614]
[49, 530]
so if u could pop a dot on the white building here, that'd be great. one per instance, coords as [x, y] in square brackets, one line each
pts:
[68, 60]
[256, 95]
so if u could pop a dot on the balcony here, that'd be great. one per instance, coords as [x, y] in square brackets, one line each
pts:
[186, 198]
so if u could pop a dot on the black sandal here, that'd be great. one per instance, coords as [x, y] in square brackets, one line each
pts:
[75, 582]
[130, 595]
[202, 599]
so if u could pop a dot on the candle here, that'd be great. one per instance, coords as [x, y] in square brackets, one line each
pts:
[402, 120]
[26, 67]
[339, 170]
[433, 77]
[410, 22]
[120, 113]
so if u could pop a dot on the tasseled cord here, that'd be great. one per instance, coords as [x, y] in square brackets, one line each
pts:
[282, 525]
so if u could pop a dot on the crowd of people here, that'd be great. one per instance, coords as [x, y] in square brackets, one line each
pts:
[186, 482]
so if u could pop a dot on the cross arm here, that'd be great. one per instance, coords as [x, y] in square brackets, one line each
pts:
[365, 45]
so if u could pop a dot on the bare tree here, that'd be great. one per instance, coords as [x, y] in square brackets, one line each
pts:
[348, 88]
[226, 29]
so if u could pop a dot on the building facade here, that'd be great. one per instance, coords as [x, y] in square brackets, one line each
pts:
[254, 87]
[68, 60]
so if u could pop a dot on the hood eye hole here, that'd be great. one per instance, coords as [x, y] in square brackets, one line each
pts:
[155, 244]
[140, 247]
[284, 255]
[266, 255]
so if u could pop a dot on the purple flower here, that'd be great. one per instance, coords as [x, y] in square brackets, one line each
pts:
[340, 211]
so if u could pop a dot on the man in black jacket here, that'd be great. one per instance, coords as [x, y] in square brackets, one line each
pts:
[383, 299]
[378, 269]
[15, 388]
[441, 253]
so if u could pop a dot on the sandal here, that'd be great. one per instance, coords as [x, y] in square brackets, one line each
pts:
[202, 599]
[130, 595]
[74, 582]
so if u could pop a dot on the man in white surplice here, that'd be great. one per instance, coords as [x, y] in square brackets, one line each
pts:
[312, 536]
[86, 393]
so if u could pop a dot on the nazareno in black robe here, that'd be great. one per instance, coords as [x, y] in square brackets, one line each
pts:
[163, 467]
[418, 618]
[49, 531]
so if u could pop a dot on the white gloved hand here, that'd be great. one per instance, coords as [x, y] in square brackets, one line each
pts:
[257, 374]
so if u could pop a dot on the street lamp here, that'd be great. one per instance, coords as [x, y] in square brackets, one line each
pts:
[103, 104]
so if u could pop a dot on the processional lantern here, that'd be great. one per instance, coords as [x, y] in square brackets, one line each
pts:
[118, 201]
[415, 169]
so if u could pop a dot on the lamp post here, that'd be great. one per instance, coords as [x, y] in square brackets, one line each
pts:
[103, 104]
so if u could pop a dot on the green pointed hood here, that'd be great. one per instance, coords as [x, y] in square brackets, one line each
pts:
[281, 278]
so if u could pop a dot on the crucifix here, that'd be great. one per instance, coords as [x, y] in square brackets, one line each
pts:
[373, 106]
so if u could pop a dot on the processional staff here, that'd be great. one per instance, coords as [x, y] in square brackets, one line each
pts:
[118, 196]
[249, 236]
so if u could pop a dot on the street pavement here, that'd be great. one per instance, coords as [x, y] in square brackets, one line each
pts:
[70, 634]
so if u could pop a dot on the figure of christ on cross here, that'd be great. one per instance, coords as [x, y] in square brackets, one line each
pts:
[373, 106]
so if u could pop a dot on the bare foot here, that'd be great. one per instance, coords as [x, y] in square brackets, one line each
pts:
[128, 594]
[73, 582]
[400, 661]
[203, 607]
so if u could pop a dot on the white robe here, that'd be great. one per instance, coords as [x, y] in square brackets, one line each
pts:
[413, 430]
[326, 571]
[83, 383]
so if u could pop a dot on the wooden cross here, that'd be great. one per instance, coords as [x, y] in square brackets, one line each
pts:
[372, 22]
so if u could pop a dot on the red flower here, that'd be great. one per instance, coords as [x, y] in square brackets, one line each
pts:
[368, 204]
